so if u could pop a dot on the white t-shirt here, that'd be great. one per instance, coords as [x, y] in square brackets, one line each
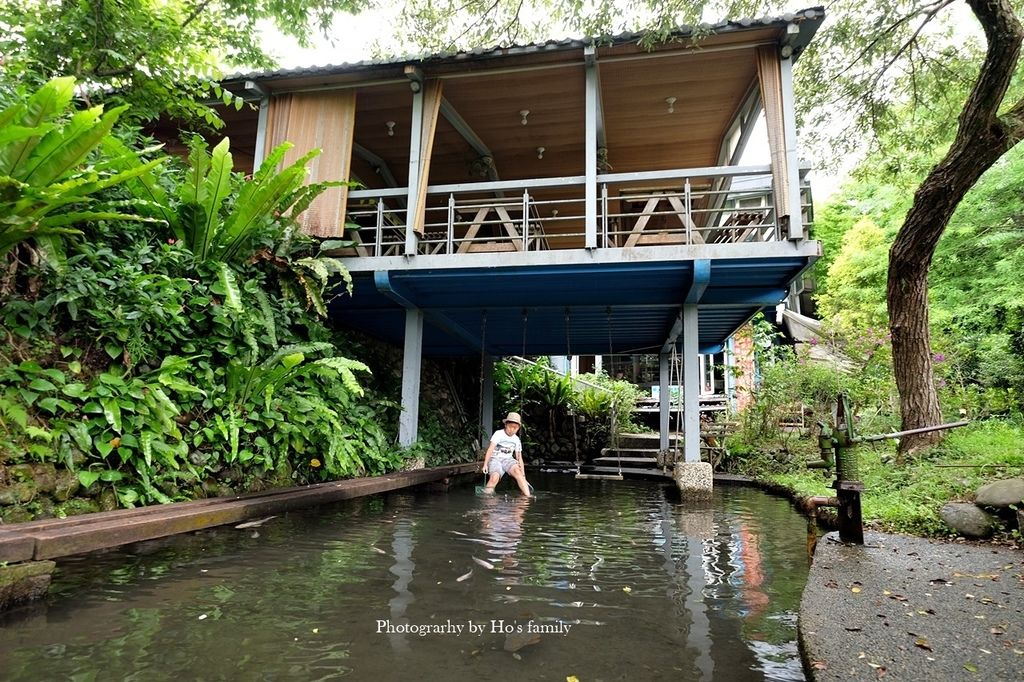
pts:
[505, 446]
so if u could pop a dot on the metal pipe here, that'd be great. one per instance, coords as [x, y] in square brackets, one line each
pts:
[811, 504]
[910, 432]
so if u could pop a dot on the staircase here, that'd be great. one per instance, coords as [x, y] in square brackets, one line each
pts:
[635, 454]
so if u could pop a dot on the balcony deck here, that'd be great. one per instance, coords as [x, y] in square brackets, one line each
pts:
[504, 267]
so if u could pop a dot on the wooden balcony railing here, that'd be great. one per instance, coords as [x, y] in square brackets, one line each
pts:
[634, 210]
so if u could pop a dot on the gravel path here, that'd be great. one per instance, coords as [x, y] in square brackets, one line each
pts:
[906, 608]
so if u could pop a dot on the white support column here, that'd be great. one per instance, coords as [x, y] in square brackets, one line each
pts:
[730, 381]
[415, 149]
[261, 134]
[590, 141]
[664, 401]
[796, 225]
[598, 364]
[691, 385]
[412, 360]
[487, 413]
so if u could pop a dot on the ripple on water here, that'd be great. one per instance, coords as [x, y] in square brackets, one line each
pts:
[647, 588]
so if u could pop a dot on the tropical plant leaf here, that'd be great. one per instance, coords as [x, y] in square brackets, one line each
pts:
[232, 296]
[45, 104]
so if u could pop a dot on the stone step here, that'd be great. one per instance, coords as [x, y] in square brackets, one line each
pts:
[625, 460]
[625, 471]
[644, 440]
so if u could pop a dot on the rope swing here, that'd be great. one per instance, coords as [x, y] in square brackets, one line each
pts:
[612, 413]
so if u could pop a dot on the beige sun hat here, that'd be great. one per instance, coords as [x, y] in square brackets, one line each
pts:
[514, 418]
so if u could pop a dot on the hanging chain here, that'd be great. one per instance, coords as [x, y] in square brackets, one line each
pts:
[519, 384]
[572, 414]
[482, 428]
[613, 413]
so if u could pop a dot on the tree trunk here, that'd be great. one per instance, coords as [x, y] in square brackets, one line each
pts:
[982, 137]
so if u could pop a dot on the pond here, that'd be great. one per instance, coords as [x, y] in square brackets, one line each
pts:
[598, 579]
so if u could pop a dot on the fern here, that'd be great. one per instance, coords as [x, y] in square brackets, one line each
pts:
[267, 317]
[344, 368]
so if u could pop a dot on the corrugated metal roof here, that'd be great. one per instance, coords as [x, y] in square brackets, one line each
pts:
[806, 16]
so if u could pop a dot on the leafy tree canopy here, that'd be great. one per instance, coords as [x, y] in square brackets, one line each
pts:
[157, 55]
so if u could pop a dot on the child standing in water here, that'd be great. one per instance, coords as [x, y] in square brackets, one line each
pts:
[505, 455]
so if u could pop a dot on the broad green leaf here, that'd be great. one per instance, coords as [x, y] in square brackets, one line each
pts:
[87, 477]
[49, 161]
[232, 296]
[112, 413]
[292, 360]
[45, 104]
[42, 385]
[75, 390]
[80, 434]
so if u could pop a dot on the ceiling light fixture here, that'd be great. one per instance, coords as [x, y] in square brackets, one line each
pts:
[391, 128]
[671, 102]
[524, 113]
[540, 152]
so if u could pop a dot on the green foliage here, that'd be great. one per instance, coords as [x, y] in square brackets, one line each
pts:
[46, 186]
[856, 280]
[160, 57]
[552, 404]
[908, 499]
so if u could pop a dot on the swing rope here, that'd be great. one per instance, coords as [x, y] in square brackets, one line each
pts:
[613, 413]
[572, 415]
[482, 428]
[519, 385]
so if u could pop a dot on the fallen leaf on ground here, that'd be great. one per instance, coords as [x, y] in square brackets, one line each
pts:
[819, 665]
[970, 667]
[922, 643]
[897, 597]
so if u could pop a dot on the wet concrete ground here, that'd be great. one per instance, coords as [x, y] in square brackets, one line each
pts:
[903, 608]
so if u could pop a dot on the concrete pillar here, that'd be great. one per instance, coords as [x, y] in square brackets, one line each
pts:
[691, 385]
[487, 411]
[693, 477]
[412, 361]
[664, 402]
[598, 364]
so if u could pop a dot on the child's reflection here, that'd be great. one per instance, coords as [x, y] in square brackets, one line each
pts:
[501, 524]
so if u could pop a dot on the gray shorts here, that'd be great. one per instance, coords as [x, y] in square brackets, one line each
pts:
[500, 465]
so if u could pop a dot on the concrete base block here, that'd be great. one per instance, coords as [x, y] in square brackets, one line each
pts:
[694, 479]
[21, 583]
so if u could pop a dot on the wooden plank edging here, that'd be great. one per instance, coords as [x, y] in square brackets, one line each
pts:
[54, 538]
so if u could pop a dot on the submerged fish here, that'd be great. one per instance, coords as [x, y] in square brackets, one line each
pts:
[456, 532]
[254, 524]
[464, 577]
[486, 564]
[378, 550]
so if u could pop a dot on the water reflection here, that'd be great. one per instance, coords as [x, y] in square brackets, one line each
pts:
[647, 589]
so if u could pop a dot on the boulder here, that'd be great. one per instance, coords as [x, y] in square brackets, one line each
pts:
[45, 476]
[66, 485]
[967, 519]
[1000, 494]
[20, 583]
